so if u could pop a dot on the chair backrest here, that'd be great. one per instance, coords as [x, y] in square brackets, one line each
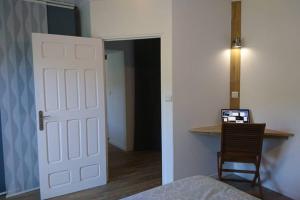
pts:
[242, 138]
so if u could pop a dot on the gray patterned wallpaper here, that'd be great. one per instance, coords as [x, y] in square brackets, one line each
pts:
[18, 19]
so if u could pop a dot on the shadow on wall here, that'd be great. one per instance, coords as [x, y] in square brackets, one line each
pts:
[271, 162]
[272, 158]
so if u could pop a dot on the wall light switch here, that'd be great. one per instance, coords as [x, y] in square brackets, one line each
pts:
[235, 94]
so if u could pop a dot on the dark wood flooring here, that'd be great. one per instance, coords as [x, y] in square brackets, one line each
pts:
[131, 173]
[246, 187]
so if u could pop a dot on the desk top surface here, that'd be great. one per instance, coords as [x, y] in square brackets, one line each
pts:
[216, 130]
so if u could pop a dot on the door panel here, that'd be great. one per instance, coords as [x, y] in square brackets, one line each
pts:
[89, 172]
[53, 135]
[51, 86]
[72, 89]
[59, 179]
[69, 87]
[92, 136]
[90, 88]
[74, 139]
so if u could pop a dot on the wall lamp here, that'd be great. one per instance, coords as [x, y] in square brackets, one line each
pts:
[236, 43]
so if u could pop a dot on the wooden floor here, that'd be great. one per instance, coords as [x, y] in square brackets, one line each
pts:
[246, 187]
[131, 173]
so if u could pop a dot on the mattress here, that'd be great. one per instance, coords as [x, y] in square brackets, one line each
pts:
[196, 187]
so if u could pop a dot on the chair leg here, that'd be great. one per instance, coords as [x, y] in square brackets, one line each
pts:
[260, 187]
[219, 166]
[254, 180]
[256, 175]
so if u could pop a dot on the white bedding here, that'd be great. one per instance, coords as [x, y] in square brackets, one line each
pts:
[193, 188]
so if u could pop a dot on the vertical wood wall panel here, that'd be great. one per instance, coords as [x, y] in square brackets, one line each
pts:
[235, 59]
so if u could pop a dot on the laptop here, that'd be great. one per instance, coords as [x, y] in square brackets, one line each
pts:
[240, 116]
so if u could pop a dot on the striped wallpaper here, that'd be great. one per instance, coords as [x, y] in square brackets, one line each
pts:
[18, 19]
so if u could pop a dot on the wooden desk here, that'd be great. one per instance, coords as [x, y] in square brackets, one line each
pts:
[216, 131]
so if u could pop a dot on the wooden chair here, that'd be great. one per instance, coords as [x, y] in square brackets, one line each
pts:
[241, 143]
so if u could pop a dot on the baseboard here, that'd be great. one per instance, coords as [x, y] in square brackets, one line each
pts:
[215, 175]
[23, 192]
[117, 144]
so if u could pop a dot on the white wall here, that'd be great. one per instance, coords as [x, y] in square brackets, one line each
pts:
[270, 77]
[201, 41]
[128, 49]
[116, 98]
[85, 21]
[125, 19]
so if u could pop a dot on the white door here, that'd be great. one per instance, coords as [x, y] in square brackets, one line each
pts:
[115, 98]
[70, 103]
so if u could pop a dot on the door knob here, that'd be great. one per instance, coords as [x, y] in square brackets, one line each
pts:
[41, 120]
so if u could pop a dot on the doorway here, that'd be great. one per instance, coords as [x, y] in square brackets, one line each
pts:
[133, 94]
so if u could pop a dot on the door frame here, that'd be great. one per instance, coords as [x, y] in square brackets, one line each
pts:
[167, 147]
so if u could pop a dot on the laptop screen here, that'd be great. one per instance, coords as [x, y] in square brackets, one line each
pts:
[235, 115]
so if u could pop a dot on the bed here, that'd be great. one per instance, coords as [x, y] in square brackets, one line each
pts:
[196, 187]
